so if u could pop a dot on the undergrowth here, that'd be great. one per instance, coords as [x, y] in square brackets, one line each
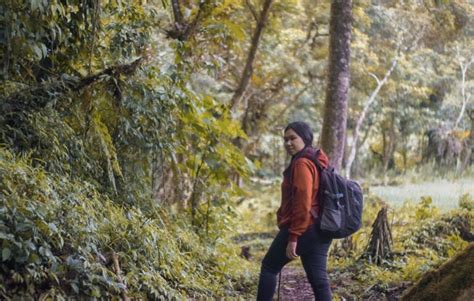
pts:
[424, 237]
[59, 237]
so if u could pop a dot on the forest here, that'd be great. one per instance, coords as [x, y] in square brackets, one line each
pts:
[142, 151]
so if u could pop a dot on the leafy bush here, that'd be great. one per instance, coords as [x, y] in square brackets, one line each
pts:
[466, 201]
[58, 238]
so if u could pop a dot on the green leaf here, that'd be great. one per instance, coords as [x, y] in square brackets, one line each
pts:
[38, 52]
[95, 292]
[6, 253]
[74, 287]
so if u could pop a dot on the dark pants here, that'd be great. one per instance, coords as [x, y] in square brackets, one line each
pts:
[312, 247]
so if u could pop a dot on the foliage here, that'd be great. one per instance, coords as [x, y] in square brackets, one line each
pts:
[423, 239]
[104, 127]
[115, 133]
[466, 201]
[57, 237]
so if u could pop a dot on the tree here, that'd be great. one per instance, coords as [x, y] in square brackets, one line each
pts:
[333, 133]
[248, 69]
[360, 120]
[464, 66]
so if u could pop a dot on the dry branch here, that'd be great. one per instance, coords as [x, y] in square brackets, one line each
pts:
[380, 244]
[118, 272]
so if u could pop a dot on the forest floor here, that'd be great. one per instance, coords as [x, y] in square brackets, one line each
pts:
[353, 278]
[295, 286]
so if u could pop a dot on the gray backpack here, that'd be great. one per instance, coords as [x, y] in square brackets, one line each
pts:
[341, 202]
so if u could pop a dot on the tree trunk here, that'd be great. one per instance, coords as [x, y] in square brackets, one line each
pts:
[361, 119]
[337, 95]
[465, 98]
[469, 144]
[389, 146]
[248, 69]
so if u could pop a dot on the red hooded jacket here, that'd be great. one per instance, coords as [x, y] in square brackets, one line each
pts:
[299, 198]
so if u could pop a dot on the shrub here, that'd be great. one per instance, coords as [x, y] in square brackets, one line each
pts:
[58, 237]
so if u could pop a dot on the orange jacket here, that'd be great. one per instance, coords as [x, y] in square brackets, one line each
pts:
[300, 198]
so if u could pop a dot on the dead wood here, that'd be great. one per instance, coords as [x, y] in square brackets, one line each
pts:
[118, 272]
[380, 244]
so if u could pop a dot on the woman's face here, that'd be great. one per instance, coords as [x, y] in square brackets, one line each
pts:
[293, 142]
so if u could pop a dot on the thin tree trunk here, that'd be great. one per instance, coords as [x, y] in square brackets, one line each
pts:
[465, 98]
[335, 110]
[248, 69]
[361, 119]
[359, 145]
[390, 146]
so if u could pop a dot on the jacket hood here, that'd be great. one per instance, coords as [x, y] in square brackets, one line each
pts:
[323, 159]
[309, 153]
[313, 154]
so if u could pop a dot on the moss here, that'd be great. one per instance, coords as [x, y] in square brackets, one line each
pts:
[449, 282]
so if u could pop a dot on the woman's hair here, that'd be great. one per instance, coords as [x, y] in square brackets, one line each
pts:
[303, 130]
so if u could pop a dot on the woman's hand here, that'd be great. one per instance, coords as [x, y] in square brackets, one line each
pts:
[291, 250]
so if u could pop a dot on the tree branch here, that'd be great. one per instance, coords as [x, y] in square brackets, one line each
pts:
[178, 15]
[252, 10]
[193, 25]
[183, 29]
[248, 70]
[360, 120]
[465, 98]
[38, 97]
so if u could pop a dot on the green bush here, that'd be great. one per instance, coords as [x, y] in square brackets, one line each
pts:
[466, 201]
[58, 238]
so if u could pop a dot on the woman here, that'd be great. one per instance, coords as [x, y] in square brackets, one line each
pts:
[298, 235]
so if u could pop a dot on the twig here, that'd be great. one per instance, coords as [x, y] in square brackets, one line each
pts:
[118, 272]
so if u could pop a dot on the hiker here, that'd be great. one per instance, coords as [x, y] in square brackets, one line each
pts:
[298, 236]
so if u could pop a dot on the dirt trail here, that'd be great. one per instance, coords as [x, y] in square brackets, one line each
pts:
[294, 285]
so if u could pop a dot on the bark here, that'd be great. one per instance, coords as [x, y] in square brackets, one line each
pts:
[248, 69]
[355, 164]
[162, 174]
[178, 16]
[335, 109]
[361, 119]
